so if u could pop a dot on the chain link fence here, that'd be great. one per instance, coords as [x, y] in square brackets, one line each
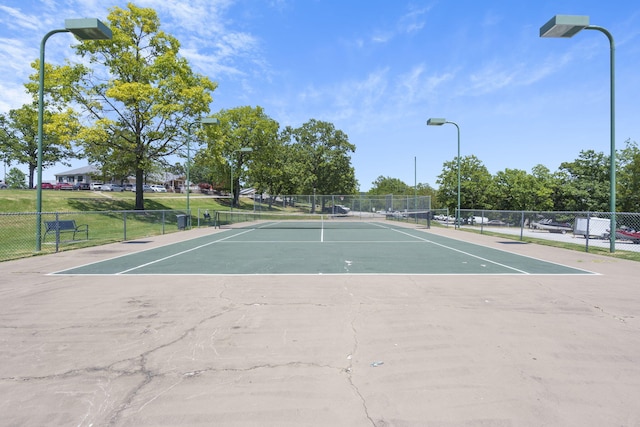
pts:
[588, 229]
[60, 231]
[336, 204]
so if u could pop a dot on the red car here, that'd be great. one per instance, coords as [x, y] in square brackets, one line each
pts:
[632, 235]
[63, 186]
[46, 186]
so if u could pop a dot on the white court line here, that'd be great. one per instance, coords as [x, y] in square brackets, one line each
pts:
[183, 252]
[463, 252]
[585, 273]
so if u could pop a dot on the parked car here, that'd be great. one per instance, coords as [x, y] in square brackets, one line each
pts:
[496, 222]
[82, 186]
[474, 220]
[129, 187]
[158, 188]
[96, 186]
[46, 186]
[3, 186]
[145, 189]
[337, 210]
[116, 187]
[63, 186]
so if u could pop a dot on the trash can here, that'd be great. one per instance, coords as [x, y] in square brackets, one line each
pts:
[182, 222]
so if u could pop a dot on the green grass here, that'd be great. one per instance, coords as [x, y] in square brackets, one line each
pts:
[65, 201]
[110, 216]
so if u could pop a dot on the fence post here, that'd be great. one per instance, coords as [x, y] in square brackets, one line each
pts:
[57, 231]
[587, 236]
[124, 223]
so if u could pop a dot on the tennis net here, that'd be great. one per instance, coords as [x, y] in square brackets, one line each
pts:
[247, 219]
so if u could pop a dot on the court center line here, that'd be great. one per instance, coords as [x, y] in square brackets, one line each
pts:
[463, 252]
[181, 253]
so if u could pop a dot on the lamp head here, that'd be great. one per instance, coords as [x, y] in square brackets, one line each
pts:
[436, 122]
[88, 29]
[564, 26]
[209, 121]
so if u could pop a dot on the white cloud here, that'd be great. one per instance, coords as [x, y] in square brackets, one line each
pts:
[413, 21]
[15, 56]
[16, 20]
[415, 86]
[13, 96]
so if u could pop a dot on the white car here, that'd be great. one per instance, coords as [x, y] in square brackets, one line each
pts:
[158, 188]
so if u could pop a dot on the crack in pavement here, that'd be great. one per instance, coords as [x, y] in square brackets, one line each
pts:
[619, 318]
[354, 350]
[138, 365]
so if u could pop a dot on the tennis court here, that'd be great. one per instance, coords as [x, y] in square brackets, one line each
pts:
[322, 244]
[212, 326]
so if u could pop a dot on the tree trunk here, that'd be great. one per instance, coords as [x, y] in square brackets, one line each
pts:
[139, 192]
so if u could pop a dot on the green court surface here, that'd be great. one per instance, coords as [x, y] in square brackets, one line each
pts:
[366, 248]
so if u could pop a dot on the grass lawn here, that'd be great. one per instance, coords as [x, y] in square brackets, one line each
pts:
[69, 201]
[110, 217]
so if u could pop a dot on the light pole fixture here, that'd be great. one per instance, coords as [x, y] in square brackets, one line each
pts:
[241, 150]
[565, 26]
[83, 29]
[440, 122]
[206, 121]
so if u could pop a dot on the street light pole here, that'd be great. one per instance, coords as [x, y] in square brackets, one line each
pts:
[204, 121]
[565, 26]
[84, 29]
[440, 122]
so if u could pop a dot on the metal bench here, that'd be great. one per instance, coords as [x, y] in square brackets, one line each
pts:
[65, 226]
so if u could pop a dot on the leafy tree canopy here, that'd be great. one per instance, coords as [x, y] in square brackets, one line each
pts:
[143, 112]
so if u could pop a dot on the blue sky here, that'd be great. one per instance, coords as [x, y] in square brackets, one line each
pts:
[378, 69]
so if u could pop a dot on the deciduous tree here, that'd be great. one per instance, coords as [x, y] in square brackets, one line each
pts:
[143, 111]
[241, 129]
[475, 184]
[322, 157]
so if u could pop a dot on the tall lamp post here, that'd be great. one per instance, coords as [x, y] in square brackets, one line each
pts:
[565, 26]
[83, 29]
[206, 121]
[241, 150]
[440, 122]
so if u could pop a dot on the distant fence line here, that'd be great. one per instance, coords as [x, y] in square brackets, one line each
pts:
[588, 229]
[310, 203]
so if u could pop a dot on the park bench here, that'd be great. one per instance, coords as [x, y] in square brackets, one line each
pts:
[66, 226]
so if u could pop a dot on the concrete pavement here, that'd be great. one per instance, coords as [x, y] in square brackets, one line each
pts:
[339, 350]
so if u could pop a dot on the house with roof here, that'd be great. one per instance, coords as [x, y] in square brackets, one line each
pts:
[90, 174]
[75, 176]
